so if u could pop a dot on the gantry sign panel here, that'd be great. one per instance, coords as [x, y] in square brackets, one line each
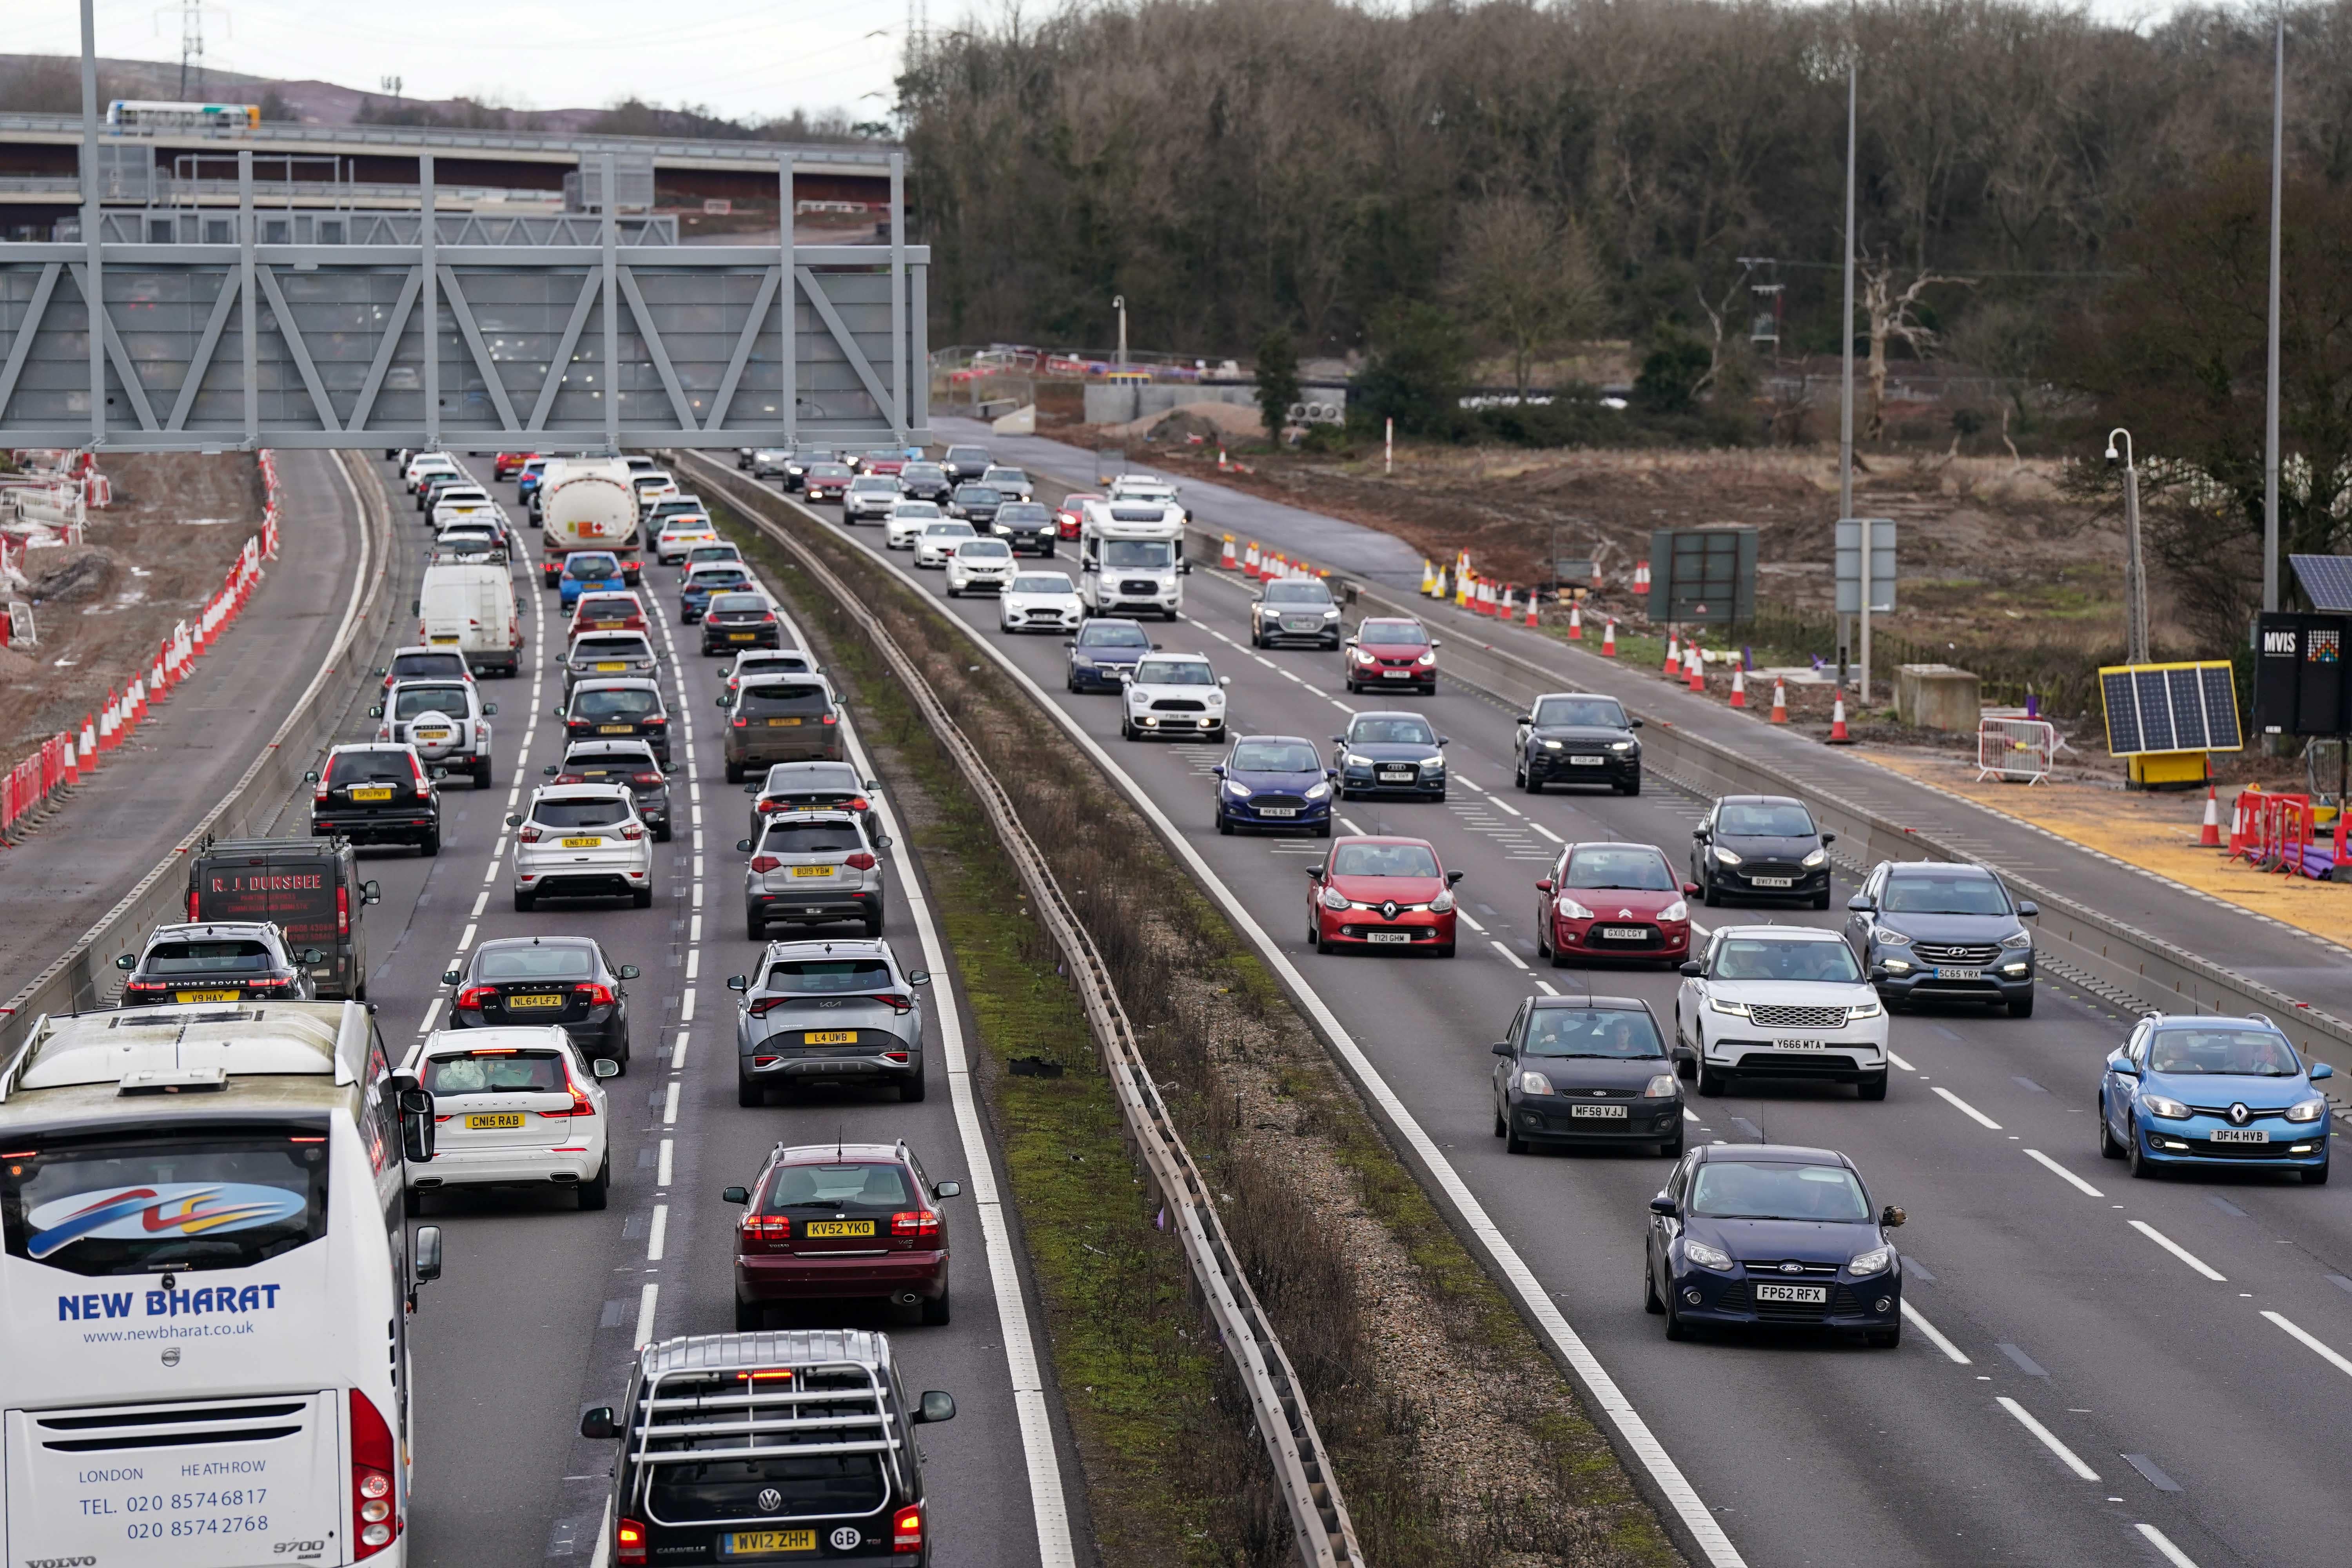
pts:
[309, 345]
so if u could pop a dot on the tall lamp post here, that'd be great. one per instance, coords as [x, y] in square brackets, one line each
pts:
[2135, 568]
[1119, 303]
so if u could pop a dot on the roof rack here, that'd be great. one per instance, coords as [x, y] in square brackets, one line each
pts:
[846, 1412]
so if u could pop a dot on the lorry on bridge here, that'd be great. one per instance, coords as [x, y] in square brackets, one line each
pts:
[588, 503]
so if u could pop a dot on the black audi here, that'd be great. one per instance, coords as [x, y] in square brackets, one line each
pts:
[1760, 847]
[1576, 738]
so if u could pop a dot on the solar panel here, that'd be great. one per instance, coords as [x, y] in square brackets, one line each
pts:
[2170, 708]
[2326, 580]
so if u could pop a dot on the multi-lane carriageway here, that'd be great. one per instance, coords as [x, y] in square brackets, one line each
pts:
[2098, 1370]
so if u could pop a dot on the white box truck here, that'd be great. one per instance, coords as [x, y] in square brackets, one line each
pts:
[470, 607]
[1132, 558]
[588, 503]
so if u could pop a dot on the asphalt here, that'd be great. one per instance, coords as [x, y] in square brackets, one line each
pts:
[2192, 1400]
[2311, 969]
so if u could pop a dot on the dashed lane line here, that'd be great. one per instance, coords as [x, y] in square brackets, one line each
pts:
[2050, 1439]
[2183, 1253]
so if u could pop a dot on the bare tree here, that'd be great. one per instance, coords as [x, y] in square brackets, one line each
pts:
[1892, 314]
[1526, 280]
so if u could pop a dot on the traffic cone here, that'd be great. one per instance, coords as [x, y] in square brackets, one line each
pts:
[1838, 736]
[1575, 623]
[1739, 687]
[1674, 657]
[1225, 562]
[1693, 667]
[90, 741]
[1428, 578]
[1641, 576]
[1609, 639]
[105, 724]
[2210, 836]
[1439, 591]
[1508, 607]
[1534, 599]
[1250, 562]
[1779, 701]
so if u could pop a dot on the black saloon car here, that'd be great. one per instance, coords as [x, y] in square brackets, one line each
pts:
[1574, 737]
[1586, 1069]
[735, 621]
[565, 980]
[1760, 847]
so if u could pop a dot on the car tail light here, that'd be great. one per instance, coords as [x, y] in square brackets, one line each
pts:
[765, 806]
[475, 996]
[765, 863]
[424, 784]
[645, 781]
[192, 892]
[896, 1002]
[569, 778]
[599, 995]
[830, 718]
[629, 1542]
[907, 1530]
[270, 988]
[319, 794]
[342, 911]
[528, 834]
[857, 802]
[916, 1224]
[761, 1231]
[742, 723]
[144, 986]
[654, 719]
[581, 1104]
[760, 1010]
[860, 861]
[633, 831]
[376, 1514]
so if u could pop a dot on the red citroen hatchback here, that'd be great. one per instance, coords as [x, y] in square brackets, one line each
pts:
[835, 1221]
[1612, 901]
[1382, 892]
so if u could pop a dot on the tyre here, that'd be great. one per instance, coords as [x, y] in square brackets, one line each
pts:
[956, 593]
[1225, 825]
[594, 1195]
[935, 1312]
[482, 774]
[2021, 1007]
[873, 926]
[750, 1316]
[734, 772]
[911, 1089]
[1820, 900]
[1126, 731]
[412, 1203]
[749, 1093]
[1676, 1327]
[1630, 786]
[2316, 1177]
[1711, 1082]
[430, 845]
[1872, 1089]
[1515, 1144]
[359, 992]
[1439, 797]
[523, 901]
[2134, 1160]
[1445, 950]
[1650, 1303]
[1672, 1150]
[643, 898]
[1323, 830]
[755, 928]
[661, 834]
[1502, 1125]
[2109, 1148]
[1708, 894]
[1559, 958]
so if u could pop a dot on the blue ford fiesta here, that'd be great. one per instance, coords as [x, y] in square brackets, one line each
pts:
[2212, 1092]
[1766, 1234]
[1274, 781]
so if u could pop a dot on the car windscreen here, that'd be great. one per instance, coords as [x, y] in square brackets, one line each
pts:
[1015, 513]
[418, 666]
[978, 495]
[821, 1486]
[738, 603]
[758, 701]
[1927, 893]
[539, 961]
[1132, 555]
[1616, 1032]
[1274, 757]
[608, 606]
[411, 701]
[875, 484]
[137, 1204]
[1757, 1189]
[1391, 732]
[949, 530]
[579, 812]
[1173, 672]
[828, 471]
[911, 509]
[497, 1072]
[1042, 582]
[928, 473]
[827, 976]
[772, 663]
[852, 1184]
[2249, 1053]
[702, 552]
[219, 956]
[371, 767]
[1771, 958]
[1764, 819]
[1392, 634]
[610, 646]
[1596, 713]
[793, 836]
[1383, 860]
[712, 580]
[1602, 866]
[984, 549]
[968, 455]
[578, 566]
[1301, 593]
[615, 704]
[1104, 634]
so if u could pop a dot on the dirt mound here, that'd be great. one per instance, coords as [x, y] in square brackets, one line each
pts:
[86, 574]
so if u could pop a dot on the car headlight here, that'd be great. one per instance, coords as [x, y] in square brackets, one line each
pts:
[2017, 939]
[1725, 858]
[1217, 698]
[1238, 791]
[1877, 1260]
[1334, 899]
[1706, 1257]
[1816, 859]
[1426, 659]
[2159, 1105]
[1571, 910]
[1861, 1010]
[1724, 1005]
[1316, 791]
[1434, 765]
[1661, 1088]
[1354, 761]
[1885, 938]
[2309, 1111]
[1554, 745]
[1535, 1083]
[1677, 910]
[1443, 903]
[1331, 613]
[1620, 745]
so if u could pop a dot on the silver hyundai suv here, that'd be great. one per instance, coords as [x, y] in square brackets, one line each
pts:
[815, 867]
[838, 1012]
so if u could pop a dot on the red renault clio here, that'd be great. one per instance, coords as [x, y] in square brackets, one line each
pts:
[1382, 892]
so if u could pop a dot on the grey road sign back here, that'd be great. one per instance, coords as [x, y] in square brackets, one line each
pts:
[1849, 565]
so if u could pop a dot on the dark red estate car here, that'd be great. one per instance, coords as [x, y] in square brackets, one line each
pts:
[509, 464]
[1392, 654]
[841, 1221]
[1382, 892]
[1612, 901]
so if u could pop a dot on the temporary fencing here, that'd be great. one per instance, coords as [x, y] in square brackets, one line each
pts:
[2015, 749]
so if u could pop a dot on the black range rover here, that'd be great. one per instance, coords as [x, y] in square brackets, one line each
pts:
[376, 795]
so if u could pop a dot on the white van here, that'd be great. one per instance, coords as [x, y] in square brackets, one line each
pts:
[1132, 558]
[470, 606]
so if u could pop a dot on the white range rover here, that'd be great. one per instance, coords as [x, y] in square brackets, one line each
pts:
[1174, 694]
[1777, 1001]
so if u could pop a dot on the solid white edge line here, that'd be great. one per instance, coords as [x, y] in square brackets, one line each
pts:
[2171, 1553]
[1918, 1320]
[2050, 1439]
[1965, 1109]
[1516, 1277]
[1546, 832]
[2181, 1252]
[2062, 1174]
[2312, 1344]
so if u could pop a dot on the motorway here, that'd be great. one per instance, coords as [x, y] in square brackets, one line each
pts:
[2119, 1373]
[540, 1305]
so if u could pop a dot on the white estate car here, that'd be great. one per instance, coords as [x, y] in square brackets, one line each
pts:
[517, 1108]
[424, 463]
[980, 564]
[1780, 1002]
[869, 496]
[1040, 601]
[582, 841]
[940, 539]
[680, 534]
[1173, 693]
[456, 501]
[907, 521]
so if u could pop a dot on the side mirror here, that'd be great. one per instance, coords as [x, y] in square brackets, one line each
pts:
[948, 1190]
[549, 771]
[735, 1196]
[1453, 876]
[370, 893]
[2320, 1070]
[752, 789]
[720, 701]
[597, 1422]
[1527, 718]
[628, 972]
[1544, 884]
[1224, 681]
[1218, 769]
[936, 1406]
[1338, 740]
[377, 712]
[311, 777]
[1878, 974]
[742, 846]
[489, 709]
[1693, 968]
[1890, 1216]
[2029, 908]
[918, 977]
[2123, 1066]
[1861, 903]
[1828, 839]
[1443, 743]
[1184, 568]
[513, 820]
[1663, 1204]
[1435, 643]
[428, 1255]
[1314, 873]
[1700, 833]
[1069, 642]
[127, 961]
[1502, 1049]
[1633, 724]
[555, 713]
[310, 955]
[1351, 641]
[415, 1122]
[1690, 889]
[604, 1067]
[738, 983]
[440, 773]
[882, 841]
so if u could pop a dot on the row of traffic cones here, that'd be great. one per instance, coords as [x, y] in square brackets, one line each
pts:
[1684, 662]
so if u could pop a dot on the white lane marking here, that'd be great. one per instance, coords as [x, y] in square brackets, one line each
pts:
[669, 1105]
[491, 875]
[1463, 915]
[694, 926]
[1891, 1056]
[2050, 1439]
[2062, 1174]
[678, 1052]
[1502, 804]
[686, 1008]
[1918, 1320]
[661, 1171]
[1352, 828]
[1517, 961]
[698, 827]
[482, 899]
[2179, 1251]
[1271, 665]
[1546, 987]
[698, 895]
[1555, 837]
[694, 954]
[2312, 1344]
[1702, 932]
[2155, 1537]
[646, 1299]
[430, 1014]
[660, 1231]
[467, 941]
[1965, 1109]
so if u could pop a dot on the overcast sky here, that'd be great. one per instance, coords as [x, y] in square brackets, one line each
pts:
[742, 57]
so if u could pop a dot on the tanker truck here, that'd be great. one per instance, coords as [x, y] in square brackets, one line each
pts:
[588, 503]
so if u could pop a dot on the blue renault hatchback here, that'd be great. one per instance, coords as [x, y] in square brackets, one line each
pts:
[2214, 1092]
[589, 572]
[1274, 781]
[1766, 1234]
[1105, 648]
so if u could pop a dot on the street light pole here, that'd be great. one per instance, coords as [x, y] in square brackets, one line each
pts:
[1119, 303]
[2134, 567]
[2271, 398]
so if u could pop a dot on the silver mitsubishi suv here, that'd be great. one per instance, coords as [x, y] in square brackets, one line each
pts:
[829, 1012]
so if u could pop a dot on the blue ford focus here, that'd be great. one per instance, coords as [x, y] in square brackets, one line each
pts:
[2213, 1092]
[1275, 781]
[1765, 1234]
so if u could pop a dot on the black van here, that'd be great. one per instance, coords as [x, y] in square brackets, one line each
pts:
[310, 886]
[765, 1445]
